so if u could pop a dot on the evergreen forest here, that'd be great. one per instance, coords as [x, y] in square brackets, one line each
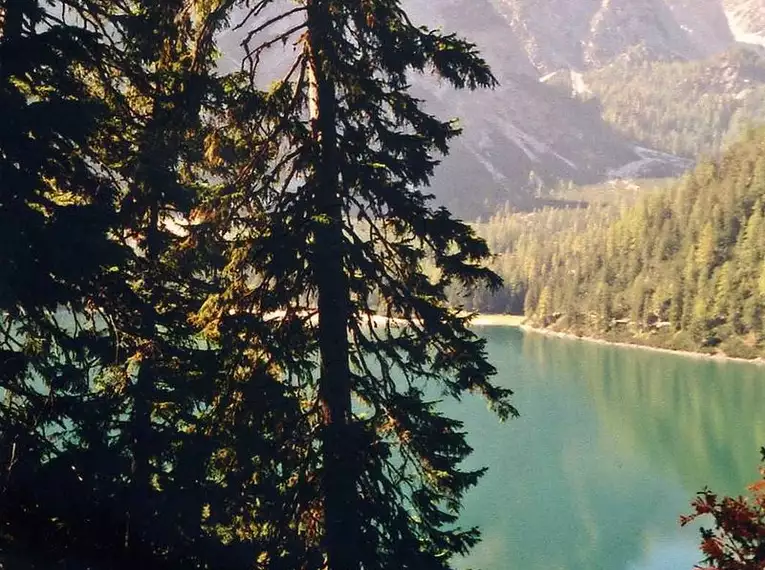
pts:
[680, 267]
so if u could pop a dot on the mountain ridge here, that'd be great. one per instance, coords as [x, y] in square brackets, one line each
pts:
[535, 131]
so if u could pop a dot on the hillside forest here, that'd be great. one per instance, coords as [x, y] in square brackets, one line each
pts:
[682, 266]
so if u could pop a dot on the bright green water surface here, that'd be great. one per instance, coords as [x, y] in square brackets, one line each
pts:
[611, 447]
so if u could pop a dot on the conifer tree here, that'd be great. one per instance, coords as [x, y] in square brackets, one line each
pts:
[56, 209]
[332, 227]
[106, 443]
[164, 376]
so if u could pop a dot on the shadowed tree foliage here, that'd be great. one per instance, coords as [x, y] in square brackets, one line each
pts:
[111, 404]
[168, 237]
[56, 209]
[324, 222]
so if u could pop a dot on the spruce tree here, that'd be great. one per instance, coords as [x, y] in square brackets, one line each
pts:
[163, 376]
[109, 397]
[324, 220]
[56, 210]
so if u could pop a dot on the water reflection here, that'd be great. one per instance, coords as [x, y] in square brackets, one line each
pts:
[611, 446]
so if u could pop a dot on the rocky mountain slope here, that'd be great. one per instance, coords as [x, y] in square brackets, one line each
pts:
[522, 135]
[532, 132]
[591, 33]
[541, 126]
[528, 133]
[746, 20]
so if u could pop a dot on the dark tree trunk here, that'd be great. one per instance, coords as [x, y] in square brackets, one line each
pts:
[139, 512]
[149, 176]
[339, 482]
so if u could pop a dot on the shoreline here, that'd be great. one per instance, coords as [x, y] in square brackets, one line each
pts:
[719, 358]
[497, 320]
[480, 319]
[519, 321]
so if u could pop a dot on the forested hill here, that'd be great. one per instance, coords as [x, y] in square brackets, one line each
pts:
[682, 268]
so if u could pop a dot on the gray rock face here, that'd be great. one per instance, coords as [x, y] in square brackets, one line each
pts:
[533, 131]
[588, 33]
[705, 23]
[746, 20]
[621, 25]
[553, 32]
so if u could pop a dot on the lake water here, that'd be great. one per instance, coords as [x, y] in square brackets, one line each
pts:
[611, 447]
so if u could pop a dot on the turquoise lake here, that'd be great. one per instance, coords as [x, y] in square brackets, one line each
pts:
[611, 447]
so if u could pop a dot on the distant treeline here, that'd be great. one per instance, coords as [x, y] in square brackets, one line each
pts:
[683, 268]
